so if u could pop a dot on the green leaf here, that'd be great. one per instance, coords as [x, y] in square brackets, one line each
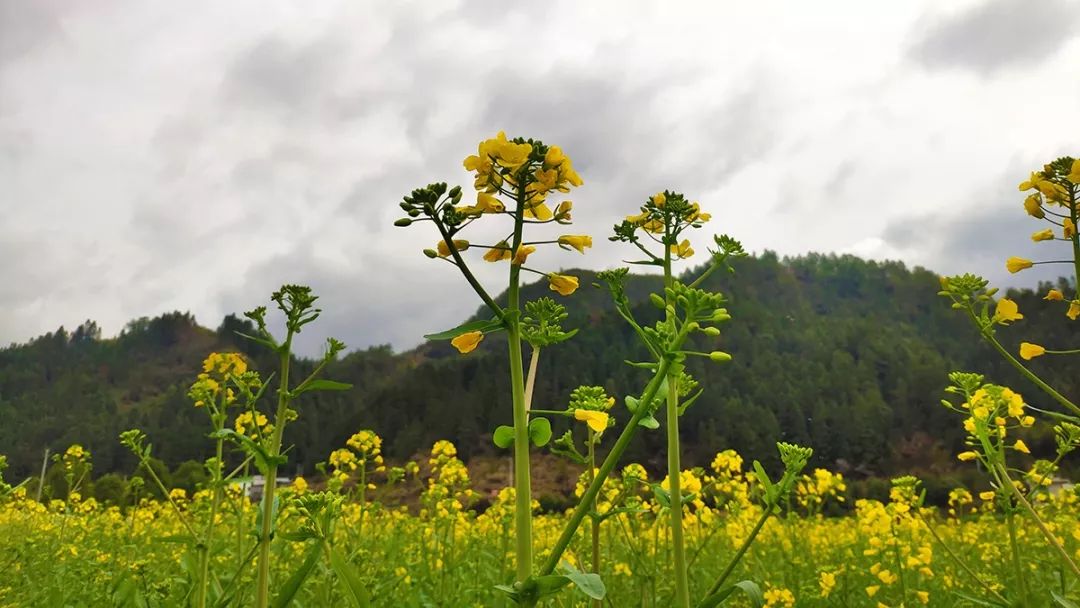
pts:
[978, 601]
[662, 496]
[324, 385]
[1062, 600]
[355, 589]
[249, 445]
[649, 422]
[540, 431]
[291, 586]
[588, 583]
[503, 436]
[749, 588]
[763, 477]
[484, 326]
[686, 404]
[549, 584]
[632, 403]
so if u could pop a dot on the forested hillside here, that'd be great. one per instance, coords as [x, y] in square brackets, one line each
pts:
[846, 355]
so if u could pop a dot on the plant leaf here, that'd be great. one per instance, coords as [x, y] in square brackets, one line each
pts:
[503, 436]
[291, 586]
[540, 431]
[354, 587]
[484, 326]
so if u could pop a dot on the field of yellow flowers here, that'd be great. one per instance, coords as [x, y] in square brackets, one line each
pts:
[444, 552]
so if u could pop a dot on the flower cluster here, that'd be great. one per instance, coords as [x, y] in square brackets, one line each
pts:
[813, 491]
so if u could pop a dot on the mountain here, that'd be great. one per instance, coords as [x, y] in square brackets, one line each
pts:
[846, 355]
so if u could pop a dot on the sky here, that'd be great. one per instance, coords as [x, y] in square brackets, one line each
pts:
[194, 156]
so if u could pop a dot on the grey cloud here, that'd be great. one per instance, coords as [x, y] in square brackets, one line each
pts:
[25, 26]
[281, 76]
[996, 34]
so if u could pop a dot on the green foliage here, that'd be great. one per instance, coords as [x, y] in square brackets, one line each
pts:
[847, 356]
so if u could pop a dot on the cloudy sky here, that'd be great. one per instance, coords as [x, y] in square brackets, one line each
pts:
[195, 155]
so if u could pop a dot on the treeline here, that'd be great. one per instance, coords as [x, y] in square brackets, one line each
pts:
[846, 355]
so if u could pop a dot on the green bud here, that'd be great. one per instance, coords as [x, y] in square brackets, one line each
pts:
[431, 253]
[711, 331]
[719, 356]
[693, 326]
[720, 314]
[657, 301]
[403, 222]
[669, 309]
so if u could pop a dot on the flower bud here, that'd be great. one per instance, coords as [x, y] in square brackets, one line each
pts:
[711, 331]
[720, 314]
[719, 356]
[431, 253]
[401, 223]
[657, 301]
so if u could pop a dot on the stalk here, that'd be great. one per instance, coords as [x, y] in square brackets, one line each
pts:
[1018, 565]
[208, 535]
[1050, 538]
[262, 585]
[595, 523]
[741, 552]
[959, 562]
[628, 432]
[682, 591]
[522, 482]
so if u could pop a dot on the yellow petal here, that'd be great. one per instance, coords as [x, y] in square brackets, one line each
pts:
[467, 342]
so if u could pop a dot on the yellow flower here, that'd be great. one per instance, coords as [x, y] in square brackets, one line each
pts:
[638, 219]
[444, 251]
[1043, 235]
[1031, 182]
[1015, 264]
[299, 485]
[1020, 446]
[924, 596]
[467, 342]
[1074, 174]
[498, 252]
[554, 157]
[522, 254]
[967, 456]
[682, 250]
[1068, 228]
[987, 495]
[659, 199]
[539, 211]
[1006, 312]
[969, 425]
[872, 589]
[1074, 310]
[562, 283]
[1029, 351]
[1033, 206]
[577, 241]
[1027, 421]
[562, 212]
[487, 203]
[597, 421]
[1054, 295]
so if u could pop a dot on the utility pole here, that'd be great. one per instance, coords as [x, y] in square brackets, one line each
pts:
[41, 480]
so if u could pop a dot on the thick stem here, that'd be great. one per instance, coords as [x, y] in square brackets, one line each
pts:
[262, 585]
[678, 546]
[522, 483]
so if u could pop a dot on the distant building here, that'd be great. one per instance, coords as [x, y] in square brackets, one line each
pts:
[253, 486]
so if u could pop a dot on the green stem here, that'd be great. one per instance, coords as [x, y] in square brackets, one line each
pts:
[262, 585]
[628, 432]
[1022, 369]
[522, 483]
[959, 562]
[1050, 538]
[1075, 237]
[595, 523]
[208, 535]
[1018, 565]
[682, 585]
[740, 553]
